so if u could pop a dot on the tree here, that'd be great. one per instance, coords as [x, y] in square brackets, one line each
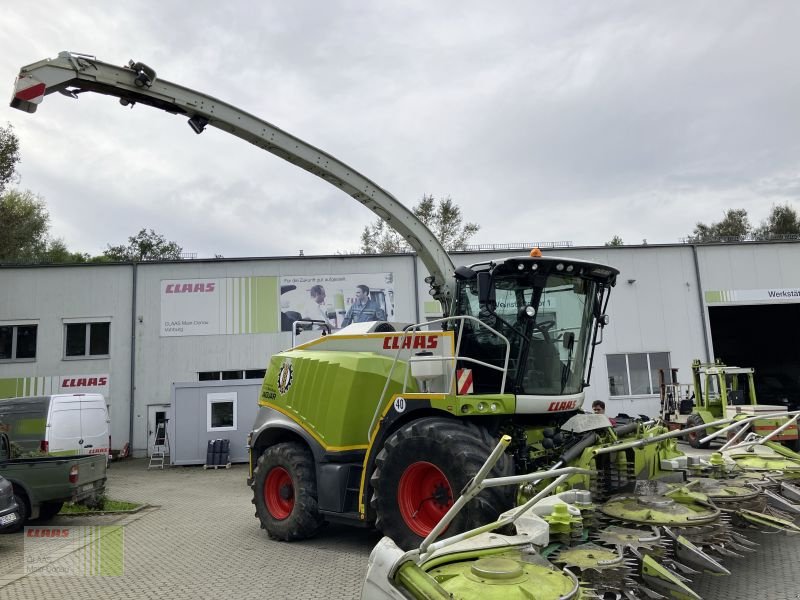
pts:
[615, 241]
[782, 220]
[24, 226]
[9, 156]
[442, 217]
[57, 252]
[145, 245]
[735, 224]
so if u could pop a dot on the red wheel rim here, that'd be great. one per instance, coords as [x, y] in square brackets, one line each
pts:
[279, 493]
[424, 496]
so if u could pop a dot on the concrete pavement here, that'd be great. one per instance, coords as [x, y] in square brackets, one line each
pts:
[202, 541]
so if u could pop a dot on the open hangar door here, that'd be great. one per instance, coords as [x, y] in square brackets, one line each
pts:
[765, 337]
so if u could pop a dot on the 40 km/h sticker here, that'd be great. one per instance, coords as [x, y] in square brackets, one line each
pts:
[400, 404]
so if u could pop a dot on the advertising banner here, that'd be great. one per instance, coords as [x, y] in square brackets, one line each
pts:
[339, 300]
[55, 384]
[219, 306]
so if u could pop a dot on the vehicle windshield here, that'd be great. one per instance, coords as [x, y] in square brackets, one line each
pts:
[549, 350]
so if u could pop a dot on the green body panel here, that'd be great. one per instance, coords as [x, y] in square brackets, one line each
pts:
[332, 394]
[504, 576]
[478, 404]
[419, 584]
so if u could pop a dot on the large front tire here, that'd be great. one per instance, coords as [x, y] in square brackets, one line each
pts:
[285, 492]
[694, 437]
[420, 472]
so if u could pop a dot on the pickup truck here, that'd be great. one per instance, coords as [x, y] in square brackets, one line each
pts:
[41, 485]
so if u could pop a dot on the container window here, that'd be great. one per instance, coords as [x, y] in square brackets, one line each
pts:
[221, 411]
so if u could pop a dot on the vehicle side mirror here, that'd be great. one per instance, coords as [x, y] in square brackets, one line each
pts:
[486, 293]
[568, 340]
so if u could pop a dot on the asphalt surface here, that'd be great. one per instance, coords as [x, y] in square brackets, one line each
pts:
[201, 540]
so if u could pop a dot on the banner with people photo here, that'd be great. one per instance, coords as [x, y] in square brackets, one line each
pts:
[337, 300]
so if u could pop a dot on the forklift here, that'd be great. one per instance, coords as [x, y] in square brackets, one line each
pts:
[719, 391]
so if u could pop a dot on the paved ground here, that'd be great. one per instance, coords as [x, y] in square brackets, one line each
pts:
[203, 542]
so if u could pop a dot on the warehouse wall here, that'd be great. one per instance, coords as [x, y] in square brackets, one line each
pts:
[49, 296]
[657, 306]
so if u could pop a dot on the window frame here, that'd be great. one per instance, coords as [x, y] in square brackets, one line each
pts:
[87, 332]
[627, 382]
[221, 398]
[15, 325]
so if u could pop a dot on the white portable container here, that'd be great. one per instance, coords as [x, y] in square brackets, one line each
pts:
[60, 424]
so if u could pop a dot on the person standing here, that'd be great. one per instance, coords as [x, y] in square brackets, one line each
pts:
[599, 408]
[363, 309]
[317, 309]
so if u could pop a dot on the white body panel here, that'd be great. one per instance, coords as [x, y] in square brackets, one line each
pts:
[535, 405]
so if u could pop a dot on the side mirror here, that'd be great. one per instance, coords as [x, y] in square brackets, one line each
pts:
[486, 293]
[568, 340]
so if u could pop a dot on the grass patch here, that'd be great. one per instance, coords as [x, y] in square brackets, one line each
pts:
[105, 505]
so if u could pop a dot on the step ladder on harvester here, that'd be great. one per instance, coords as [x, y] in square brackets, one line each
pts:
[160, 447]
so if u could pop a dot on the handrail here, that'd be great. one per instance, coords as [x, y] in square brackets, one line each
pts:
[416, 328]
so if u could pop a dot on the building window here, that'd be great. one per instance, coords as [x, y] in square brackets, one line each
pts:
[221, 412]
[635, 374]
[86, 339]
[226, 375]
[18, 342]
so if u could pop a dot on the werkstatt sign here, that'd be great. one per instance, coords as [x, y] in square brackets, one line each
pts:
[762, 296]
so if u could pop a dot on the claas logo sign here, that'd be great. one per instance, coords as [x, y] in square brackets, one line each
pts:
[417, 342]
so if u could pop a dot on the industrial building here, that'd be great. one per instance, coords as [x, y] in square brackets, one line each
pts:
[139, 332]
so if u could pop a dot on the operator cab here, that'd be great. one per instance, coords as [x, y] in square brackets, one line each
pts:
[549, 309]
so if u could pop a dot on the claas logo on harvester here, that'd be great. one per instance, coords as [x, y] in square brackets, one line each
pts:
[417, 342]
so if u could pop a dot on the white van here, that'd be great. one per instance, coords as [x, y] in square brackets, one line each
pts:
[59, 425]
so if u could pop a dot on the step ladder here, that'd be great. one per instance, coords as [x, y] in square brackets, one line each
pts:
[160, 447]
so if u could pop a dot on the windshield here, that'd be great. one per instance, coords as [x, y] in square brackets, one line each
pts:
[549, 350]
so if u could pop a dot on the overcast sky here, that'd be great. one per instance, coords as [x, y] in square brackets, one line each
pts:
[544, 121]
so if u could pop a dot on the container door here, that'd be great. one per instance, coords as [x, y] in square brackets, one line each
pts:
[157, 420]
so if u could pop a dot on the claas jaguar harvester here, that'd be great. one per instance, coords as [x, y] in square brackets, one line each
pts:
[385, 423]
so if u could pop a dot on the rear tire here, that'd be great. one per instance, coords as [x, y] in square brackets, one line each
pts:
[48, 510]
[421, 471]
[694, 437]
[285, 492]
